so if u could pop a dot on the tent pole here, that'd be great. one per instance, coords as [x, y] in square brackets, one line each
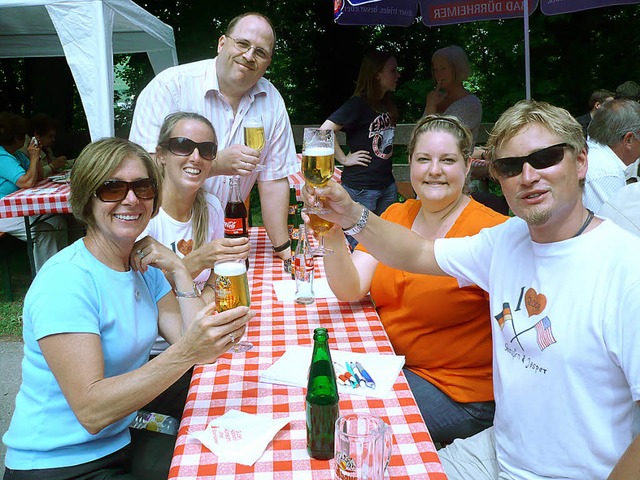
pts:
[527, 64]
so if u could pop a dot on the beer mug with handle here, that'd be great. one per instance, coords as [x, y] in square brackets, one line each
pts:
[362, 447]
[232, 290]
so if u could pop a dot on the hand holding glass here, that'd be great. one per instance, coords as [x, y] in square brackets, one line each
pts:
[254, 135]
[232, 290]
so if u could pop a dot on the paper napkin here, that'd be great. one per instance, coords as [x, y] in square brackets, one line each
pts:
[240, 437]
[286, 289]
[41, 190]
[293, 369]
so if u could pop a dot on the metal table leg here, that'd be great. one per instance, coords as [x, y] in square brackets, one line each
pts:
[32, 263]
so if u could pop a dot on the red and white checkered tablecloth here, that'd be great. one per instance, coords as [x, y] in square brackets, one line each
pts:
[232, 383]
[297, 180]
[45, 197]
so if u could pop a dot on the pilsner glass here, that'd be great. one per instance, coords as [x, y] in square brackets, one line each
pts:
[317, 168]
[317, 156]
[320, 226]
[232, 290]
[254, 135]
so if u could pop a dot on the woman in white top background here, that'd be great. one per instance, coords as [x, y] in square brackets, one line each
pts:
[450, 67]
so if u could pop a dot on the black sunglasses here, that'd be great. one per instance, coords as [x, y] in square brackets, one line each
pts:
[545, 158]
[117, 190]
[184, 147]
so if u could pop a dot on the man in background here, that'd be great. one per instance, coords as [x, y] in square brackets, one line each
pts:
[595, 101]
[614, 145]
[226, 89]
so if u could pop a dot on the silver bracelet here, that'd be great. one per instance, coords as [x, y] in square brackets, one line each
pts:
[360, 224]
[195, 293]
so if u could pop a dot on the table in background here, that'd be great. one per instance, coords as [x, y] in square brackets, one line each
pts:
[232, 383]
[43, 198]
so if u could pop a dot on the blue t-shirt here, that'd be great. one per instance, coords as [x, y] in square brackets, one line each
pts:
[12, 167]
[74, 292]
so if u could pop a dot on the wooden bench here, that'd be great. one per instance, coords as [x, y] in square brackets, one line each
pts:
[401, 138]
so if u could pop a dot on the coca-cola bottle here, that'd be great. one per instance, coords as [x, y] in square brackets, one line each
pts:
[303, 269]
[235, 213]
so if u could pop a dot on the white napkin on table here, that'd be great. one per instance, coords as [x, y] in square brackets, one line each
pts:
[41, 190]
[286, 289]
[240, 437]
[292, 369]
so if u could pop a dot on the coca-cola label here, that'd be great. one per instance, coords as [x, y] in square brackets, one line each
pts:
[303, 268]
[233, 226]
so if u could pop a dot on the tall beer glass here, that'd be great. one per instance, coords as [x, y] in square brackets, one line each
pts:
[254, 135]
[317, 168]
[232, 290]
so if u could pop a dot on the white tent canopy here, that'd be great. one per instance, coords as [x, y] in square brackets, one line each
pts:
[87, 33]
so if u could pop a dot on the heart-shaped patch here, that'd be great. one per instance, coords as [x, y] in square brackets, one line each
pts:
[185, 246]
[535, 302]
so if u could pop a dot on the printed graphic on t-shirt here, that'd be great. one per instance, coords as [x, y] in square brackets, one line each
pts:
[524, 323]
[381, 133]
[182, 246]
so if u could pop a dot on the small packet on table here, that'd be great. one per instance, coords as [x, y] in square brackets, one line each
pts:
[240, 437]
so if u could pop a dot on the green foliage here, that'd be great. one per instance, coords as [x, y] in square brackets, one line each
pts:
[316, 62]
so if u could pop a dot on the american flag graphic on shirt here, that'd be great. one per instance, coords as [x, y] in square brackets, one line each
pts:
[545, 335]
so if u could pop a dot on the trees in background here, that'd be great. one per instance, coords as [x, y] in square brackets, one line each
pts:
[316, 61]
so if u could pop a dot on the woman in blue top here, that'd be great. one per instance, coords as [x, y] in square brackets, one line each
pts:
[369, 119]
[19, 171]
[90, 319]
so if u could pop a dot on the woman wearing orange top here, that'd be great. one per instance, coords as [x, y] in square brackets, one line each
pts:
[443, 330]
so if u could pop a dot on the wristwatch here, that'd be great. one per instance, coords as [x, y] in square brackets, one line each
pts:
[360, 224]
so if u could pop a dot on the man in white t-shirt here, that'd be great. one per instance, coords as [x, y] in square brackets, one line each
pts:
[225, 90]
[564, 297]
[614, 145]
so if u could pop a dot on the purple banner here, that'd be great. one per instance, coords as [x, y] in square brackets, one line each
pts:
[433, 12]
[381, 12]
[555, 7]
[445, 12]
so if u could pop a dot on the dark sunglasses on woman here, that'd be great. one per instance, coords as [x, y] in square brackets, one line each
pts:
[184, 147]
[117, 190]
[545, 158]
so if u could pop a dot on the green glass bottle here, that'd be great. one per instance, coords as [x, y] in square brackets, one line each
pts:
[322, 399]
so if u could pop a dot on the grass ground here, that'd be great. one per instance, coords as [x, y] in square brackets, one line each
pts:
[11, 312]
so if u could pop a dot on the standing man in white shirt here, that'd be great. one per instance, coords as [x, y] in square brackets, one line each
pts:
[614, 144]
[226, 89]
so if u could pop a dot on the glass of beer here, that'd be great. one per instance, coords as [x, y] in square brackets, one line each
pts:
[232, 290]
[317, 169]
[317, 156]
[320, 226]
[254, 135]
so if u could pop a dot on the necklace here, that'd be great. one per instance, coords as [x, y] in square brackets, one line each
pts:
[441, 221]
[585, 224]
[452, 208]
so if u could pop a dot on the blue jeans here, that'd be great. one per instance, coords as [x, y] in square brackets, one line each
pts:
[375, 200]
[445, 418]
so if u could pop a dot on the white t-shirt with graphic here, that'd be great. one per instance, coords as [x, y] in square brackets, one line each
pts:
[179, 237]
[565, 319]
